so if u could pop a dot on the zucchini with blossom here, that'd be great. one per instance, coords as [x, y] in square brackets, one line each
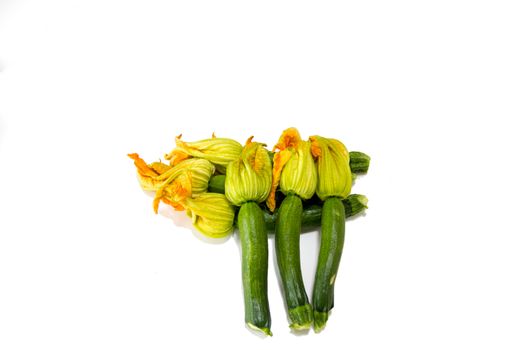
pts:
[222, 185]
[334, 184]
[295, 173]
[248, 183]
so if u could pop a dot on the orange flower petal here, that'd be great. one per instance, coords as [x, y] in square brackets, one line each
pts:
[315, 148]
[174, 205]
[159, 167]
[175, 193]
[279, 160]
[156, 202]
[289, 138]
[176, 156]
[142, 166]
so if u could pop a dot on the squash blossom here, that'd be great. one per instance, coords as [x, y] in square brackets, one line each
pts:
[184, 187]
[249, 178]
[335, 178]
[219, 151]
[171, 183]
[149, 174]
[293, 167]
[211, 214]
[295, 171]
[335, 184]
[248, 182]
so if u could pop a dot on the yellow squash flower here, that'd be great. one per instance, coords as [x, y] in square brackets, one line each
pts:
[249, 178]
[294, 168]
[335, 178]
[172, 183]
[149, 174]
[184, 188]
[211, 213]
[219, 151]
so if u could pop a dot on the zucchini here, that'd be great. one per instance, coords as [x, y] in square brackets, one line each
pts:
[287, 234]
[332, 241]
[311, 215]
[359, 162]
[254, 250]
[216, 184]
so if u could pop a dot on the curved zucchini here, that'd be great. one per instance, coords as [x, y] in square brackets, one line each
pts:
[332, 241]
[287, 234]
[254, 248]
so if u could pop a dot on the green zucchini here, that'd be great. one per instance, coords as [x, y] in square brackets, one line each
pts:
[216, 184]
[254, 250]
[287, 234]
[311, 215]
[332, 241]
[359, 162]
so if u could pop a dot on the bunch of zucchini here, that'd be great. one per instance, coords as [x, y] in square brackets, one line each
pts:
[301, 185]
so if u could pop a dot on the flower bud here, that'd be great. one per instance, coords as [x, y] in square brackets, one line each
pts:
[294, 168]
[335, 178]
[219, 151]
[249, 178]
[211, 214]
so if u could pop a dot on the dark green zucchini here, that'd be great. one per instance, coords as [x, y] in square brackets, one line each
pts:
[287, 234]
[254, 249]
[311, 215]
[216, 184]
[332, 241]
[359, 162]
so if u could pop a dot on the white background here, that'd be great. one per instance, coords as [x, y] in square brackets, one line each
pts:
[434, 91]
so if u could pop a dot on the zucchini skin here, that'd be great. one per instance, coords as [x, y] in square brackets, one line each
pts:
[254, 250]
[216, 184]
[359, 162]
[311, 215]
[332, 242]
[287, 246]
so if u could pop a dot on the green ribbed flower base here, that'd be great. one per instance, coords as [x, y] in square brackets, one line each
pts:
[320, 319]
[301, 317]
[263, 330]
